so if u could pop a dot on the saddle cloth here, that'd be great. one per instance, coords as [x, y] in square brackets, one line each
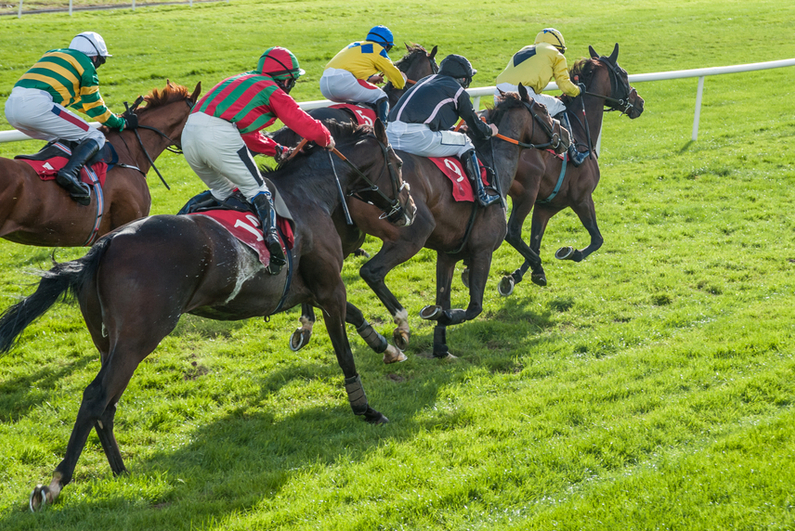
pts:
[55, 155]
[454, 170]
[364, 114]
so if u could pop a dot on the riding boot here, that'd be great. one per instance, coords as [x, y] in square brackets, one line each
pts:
[472, 168]
[576, 157]
[203, 201]
[263, 204]
[69, 175]
[382, 110]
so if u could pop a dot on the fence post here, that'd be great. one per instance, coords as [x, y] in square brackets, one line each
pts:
[19, 13]
[70, 8]
[476, 103]
[698, 107]
[133, 5]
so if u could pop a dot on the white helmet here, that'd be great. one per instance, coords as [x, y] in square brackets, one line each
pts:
[90, 43]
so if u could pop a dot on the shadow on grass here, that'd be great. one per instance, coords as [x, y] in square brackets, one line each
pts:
[687, 146]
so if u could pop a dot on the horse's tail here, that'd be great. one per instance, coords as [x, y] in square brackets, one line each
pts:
[64, 280]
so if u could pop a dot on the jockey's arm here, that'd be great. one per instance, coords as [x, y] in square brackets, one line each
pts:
[561, 72]
[287, 110]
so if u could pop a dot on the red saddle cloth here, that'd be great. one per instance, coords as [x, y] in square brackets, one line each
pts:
[454, 170]
[364, 115]
[48, 168]
[245, 226]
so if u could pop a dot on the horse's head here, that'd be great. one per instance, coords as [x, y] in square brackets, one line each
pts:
[527, 122]
[375, 170]
[603, 77]
[416, 64]
[166, 110]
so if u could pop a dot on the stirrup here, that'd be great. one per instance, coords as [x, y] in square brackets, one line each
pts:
[485, 199]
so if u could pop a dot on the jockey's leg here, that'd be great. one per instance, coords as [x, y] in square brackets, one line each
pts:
[472, 169]
[576, 157]
[69, 175]
[382, 109]
[263, 204]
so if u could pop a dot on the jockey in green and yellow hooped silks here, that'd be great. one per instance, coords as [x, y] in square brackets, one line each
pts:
[350, 74]
[224, 129]
[534, 67]
[66, 77]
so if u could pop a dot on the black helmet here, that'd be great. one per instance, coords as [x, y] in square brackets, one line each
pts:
[456, 66]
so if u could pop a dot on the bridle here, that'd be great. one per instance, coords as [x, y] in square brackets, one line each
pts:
[130, 109]
[392, 209]
[554, 138]
[619, 89]
[434, 68]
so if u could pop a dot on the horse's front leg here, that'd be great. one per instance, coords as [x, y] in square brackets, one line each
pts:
[521, 209]
[374, 340]
[541, 216]
[587, 214]
[441, 312]
[303, 333]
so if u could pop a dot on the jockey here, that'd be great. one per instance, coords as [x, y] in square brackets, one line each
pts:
[422, 118]
[63, 78]
[534, 67]
[350, 74]
[224, 129]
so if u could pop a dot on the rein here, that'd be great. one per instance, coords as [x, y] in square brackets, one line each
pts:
[554, 138]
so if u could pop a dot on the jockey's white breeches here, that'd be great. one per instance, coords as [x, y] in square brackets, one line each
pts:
[340, 85]
[418, 139]
[553, 104]
[33, 112]
[215, 150]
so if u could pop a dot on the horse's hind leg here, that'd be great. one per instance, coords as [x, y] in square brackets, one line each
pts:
[541, 216]
[303, 333]
[374, 340]
[521, 209]
[587, 214]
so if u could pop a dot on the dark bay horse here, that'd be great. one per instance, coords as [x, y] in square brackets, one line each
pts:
[134, 283]
[416, 64]
[539, 180]
[456, 230]
[36, 212]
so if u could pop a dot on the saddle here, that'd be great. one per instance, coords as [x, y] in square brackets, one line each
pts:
[364, 113]
[454, 170]
[54, 156]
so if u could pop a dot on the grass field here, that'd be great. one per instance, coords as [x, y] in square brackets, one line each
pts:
[649, 387]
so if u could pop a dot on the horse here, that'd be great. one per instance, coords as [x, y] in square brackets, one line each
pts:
[171, 265]
[455, 230]
[37, 212]
[540, 178]
[416, 64]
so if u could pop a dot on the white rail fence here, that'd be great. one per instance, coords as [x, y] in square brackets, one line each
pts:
[477, 93]
[89, 8]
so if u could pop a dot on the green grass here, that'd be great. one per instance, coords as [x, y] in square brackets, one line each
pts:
[648, 387]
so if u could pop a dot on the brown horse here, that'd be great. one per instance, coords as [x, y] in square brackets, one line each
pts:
[171, 265]
[456, 230]
[540, 180]
[36, 212]
[416, 64]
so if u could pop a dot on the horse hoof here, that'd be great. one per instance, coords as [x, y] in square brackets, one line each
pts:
[401, 338]
[465, 277]
[505, 287]
[446, 356]
[564, 253]
[375, 417]
[393, 355]
[431, 312]
[299, 339]
[539, 280]
[38, 498]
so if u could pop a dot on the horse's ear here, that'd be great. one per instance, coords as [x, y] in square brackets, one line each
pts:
[433, 52]
[168, 82]
[523, 94]
[593, 52]
[380, 131]
[408, 48]
[614, 55]
[198, 90]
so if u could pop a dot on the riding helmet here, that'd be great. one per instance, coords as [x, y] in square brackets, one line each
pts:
[90, 43]
[456, 66]
[553, 37]
[279, 63]
[381, 35]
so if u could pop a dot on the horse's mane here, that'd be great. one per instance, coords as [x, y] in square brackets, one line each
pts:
[159, 97]
[343, 132]
[413, 50]
[582, 70]
[506, 102]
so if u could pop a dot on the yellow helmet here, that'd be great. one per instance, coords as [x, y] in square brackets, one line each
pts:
[553, 37]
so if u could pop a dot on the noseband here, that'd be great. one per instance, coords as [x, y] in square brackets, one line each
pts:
[615, 102]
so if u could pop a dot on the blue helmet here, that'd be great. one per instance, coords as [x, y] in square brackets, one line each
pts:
[381, 35]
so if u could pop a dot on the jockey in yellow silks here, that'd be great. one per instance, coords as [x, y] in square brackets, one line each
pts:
[350, 74]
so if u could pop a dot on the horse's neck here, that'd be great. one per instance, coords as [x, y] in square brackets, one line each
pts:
[594, 113]
[153, 143]
[505, 161]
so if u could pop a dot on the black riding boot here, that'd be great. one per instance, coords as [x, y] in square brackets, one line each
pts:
[576, 157]
[69, 175]
[472, 168]
[382, 110]
[263, 204]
